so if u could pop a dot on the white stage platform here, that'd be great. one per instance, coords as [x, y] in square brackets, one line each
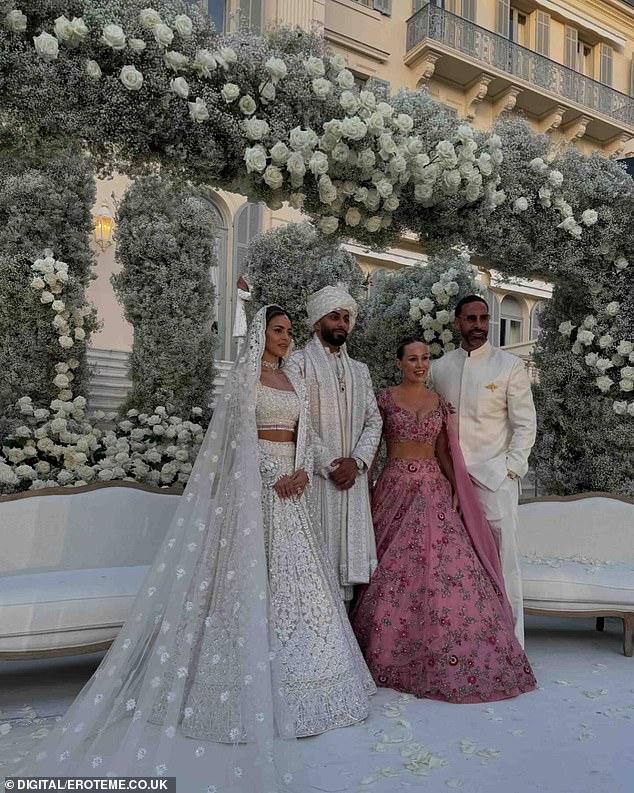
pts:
[574, 735]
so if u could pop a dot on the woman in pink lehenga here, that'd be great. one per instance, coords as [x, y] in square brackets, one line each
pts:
[434, 620]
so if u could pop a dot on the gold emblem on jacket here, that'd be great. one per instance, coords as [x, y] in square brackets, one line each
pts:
[492, 387]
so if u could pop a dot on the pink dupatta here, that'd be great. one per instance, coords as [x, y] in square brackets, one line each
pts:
[473, 516]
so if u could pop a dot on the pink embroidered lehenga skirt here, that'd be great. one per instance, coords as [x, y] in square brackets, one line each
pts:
[431, 621]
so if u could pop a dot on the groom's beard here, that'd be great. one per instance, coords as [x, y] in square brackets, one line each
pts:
[335, 337]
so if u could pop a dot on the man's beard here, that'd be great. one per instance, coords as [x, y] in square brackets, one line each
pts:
[478, 338]
[337, 337]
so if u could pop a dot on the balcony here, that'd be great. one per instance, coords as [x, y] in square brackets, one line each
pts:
[540, 84]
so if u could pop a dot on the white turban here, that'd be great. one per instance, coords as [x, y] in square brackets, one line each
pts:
[331, 298]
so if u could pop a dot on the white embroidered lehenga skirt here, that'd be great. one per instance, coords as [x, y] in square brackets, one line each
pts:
[325, 678]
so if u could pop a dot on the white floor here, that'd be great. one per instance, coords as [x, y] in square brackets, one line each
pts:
[574, 735]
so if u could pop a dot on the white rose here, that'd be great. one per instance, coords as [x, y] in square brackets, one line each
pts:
[403, 122]
[131, 78]
[446, 154]
[274, 177]
[276, 68]
[621, 263]
[612, 309]
[25, 472]
[61, 381]
[321, 87]
[626, 385]
[340, 152]
[349, 102]
[226, 56]
[176, 61]
[180, 87]
[354, 128]
[63, 29]
[585, 337]
[589, 322]
[373, 224]
[376, 124]
[149, 18]
[79, 29]
[279, 153]
[183, 25]
[318, 163]
[255, 159]
[302, 139]
[65, 342]
[604, 383]
[295, 164]
[566, 328]
[163, 34]
[444, 317]
[603, 364]
[625, 347]
[538, 165]
[230, 92]
[204, 63]
[520, 205]
[353, 217]
[255, 128]
[620, 408]
[414, 312]
[15, 21]
[247, 105]
[329, 224]
[46, 46]
[630, 408]
[367, 101]
[605, 341]
[314, 67]
[387, 143]
[366, 159]
[589, 217]
[93, 69]
[267, 91]
[627, 372]
[136, 45]
[391, 203]
[337, 63]
[345, 79]
[556, 178]
[113, 36]
[198, 111]
[451, 181]
[38, 283]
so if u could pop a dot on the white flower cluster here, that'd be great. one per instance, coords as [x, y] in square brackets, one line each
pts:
[60, 446]
[548, 197]
[50, 277]
[437, 326]
[605, 355]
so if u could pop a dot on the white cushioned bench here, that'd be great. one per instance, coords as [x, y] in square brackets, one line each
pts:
[71, 563]
[578, 558]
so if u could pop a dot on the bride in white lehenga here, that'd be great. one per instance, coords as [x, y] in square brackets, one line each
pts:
[238, 635]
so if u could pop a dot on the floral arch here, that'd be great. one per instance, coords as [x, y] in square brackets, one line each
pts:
[277, 119]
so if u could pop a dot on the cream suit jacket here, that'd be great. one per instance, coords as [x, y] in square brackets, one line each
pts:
[495, 414]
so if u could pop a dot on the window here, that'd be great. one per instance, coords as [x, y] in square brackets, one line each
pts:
[536, 313]
[494, 316]
[503, 17]
[511, 321]
[607, 56]
[571, 47]
[632, 77]
[247, 224]
[542, 33]
[217, 11]
[360, 81]
[518, 27]
[218, 274]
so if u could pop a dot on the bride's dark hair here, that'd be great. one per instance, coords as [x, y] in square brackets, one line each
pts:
[275, 311]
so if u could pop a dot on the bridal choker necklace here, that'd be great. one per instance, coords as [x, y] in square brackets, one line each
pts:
[269, 365]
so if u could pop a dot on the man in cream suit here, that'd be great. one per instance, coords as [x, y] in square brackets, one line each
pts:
[496, 423]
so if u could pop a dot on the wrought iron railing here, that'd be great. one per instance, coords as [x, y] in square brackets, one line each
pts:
[497, 51]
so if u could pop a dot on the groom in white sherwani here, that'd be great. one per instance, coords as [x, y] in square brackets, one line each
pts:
[496, 423]
[347, 426]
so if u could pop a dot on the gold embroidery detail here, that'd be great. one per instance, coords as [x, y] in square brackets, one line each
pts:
[492, 387]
